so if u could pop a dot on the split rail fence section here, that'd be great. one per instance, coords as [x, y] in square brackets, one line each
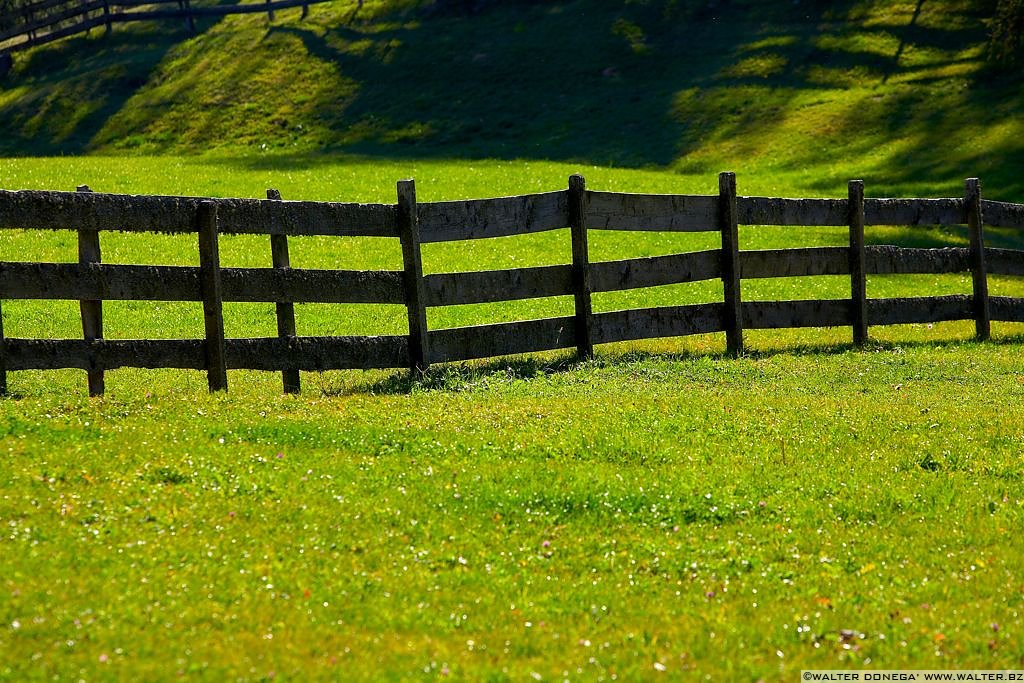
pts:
[43, 21]
[91, 282]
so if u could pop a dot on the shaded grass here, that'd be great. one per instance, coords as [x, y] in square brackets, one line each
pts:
[806, 94]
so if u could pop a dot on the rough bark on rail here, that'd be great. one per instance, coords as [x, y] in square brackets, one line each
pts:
[914, 212]
[1003, 214]
[765, 315]
[1004, 261]
[44, 210]
[890, 260]
[502, 339]
[452, 289]
[271, 353]
[651, 323]
[181, 283]
[920, 309]
[653, 271]
[661, 212]
[1007, 309]
[498, 217]
[794, 262]
[784, 211]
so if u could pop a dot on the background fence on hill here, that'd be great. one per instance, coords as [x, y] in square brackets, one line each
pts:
[43, 21]
[91, 282]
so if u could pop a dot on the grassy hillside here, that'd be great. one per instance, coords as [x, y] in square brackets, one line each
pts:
[896, 92]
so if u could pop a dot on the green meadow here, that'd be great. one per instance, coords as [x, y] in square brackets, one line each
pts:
[658, 511]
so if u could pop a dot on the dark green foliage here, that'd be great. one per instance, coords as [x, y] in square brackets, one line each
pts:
[1006, 34]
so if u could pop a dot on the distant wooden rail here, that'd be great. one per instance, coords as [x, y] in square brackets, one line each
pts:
[44, 21]
[580, 210]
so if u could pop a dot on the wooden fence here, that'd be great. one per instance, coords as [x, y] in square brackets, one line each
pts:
[44, 21]
[91, 282]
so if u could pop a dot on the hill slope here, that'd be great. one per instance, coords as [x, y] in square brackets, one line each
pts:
[893, 91]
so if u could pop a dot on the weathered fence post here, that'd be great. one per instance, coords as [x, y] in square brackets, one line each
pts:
[858, 277]
[972, 205]
[106, 16]
[91, 310]
[270, 10]
[580, 265]
[285, 309]
[3, 356]
[213, 306]
[409, 232]
[85, 16]
[733, 310]
[190, 21]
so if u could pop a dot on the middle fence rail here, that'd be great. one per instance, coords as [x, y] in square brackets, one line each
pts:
[91, 282]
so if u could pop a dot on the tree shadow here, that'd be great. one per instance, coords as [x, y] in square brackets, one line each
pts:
[639, 84]
[63, 107]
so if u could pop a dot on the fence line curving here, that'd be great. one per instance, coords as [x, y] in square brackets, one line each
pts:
[580, 210]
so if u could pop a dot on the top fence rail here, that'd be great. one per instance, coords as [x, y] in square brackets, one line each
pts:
[471, 219]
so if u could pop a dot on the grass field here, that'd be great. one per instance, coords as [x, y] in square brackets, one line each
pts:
[658, 511]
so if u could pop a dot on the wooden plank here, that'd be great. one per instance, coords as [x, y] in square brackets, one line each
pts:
[453, 289]
[652, 212]
[914, 212]
[979, 275]
[727, 221]
[33, 40]
[927, 309]
[857, 263]
[1004, 261]
[764, 263]
[213, 308]
[272, 353]
[1007, 309]
[498, 217]
[654, 271]
[181, 283]
[502, 339]
[315, 354]
[653, 323]
[580, 265]
[51, 20]
[783, 211]
[1003, 214]
[73, 281]
[296, 218]
[290, 381]
[107, 354]
[890, 260]
[415, 298]
[214, 11]
[91, 309]
[44, 210]
[770, 315]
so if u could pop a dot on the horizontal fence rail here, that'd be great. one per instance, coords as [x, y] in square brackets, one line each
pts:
[91, 281]
[38, 23]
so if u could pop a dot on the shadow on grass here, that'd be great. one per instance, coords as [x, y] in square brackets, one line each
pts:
[594, 81]
[72, 88]
[466, 376]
